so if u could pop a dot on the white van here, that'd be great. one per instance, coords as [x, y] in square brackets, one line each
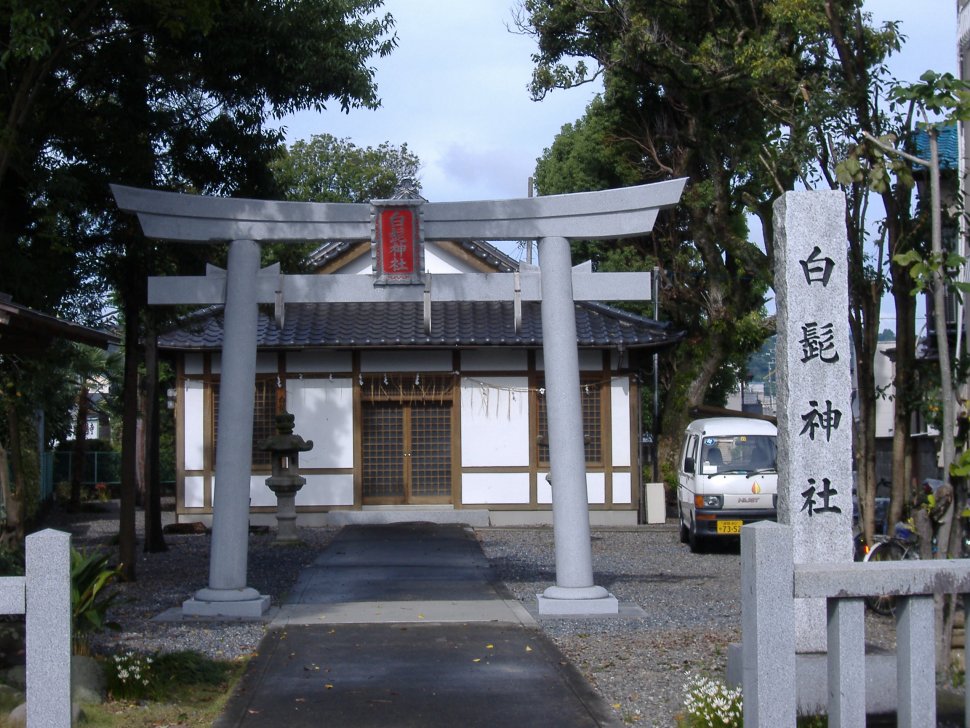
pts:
[727, 477]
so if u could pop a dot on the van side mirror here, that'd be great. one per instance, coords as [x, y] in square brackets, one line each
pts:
[689, 465]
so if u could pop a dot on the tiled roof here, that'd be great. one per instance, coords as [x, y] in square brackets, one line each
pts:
[453, 324]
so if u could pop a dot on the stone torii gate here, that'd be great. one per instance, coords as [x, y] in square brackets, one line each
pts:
[393, 226]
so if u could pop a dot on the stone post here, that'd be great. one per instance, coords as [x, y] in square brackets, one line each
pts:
[48, 618]
[227, 593]
[767, 632]
[574, 592]
[814, 390]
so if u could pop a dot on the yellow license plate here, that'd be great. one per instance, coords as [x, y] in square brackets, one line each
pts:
[729, 527]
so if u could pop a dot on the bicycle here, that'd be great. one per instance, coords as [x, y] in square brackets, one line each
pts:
[902, 546]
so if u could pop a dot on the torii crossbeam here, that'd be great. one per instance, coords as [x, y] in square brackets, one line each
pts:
[552, 220]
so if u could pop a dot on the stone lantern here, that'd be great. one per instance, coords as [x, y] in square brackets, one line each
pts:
[285, 448]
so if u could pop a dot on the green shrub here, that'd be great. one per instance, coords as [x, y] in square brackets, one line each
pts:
[11, 560]
[90, 596]
[162, 677]
[180, 669]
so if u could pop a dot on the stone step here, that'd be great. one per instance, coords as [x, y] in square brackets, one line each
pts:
[371, 516]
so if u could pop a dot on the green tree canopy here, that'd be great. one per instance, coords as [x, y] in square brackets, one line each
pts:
[327, 169]
[744, 99]
[171, 94]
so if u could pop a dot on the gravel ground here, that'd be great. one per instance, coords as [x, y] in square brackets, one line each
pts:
[690, 602]
[691, 606]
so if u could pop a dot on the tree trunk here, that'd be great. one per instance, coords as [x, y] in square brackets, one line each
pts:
[78, 451]
[154, 539]
[693, 371]
[863, 323]
[14, 487]
[129, 476]
[903, 381]
[140, 442]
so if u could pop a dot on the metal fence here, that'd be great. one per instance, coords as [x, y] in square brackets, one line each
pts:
[99, 467]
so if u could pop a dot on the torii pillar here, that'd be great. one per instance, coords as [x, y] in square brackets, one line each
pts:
[552, 220]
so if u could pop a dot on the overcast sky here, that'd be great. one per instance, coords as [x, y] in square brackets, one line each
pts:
[455, 91]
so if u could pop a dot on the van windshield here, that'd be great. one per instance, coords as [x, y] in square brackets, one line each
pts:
[738, 453]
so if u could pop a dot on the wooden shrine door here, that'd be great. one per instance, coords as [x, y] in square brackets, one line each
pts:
[406, 450]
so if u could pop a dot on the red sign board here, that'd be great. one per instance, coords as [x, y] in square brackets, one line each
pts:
[398, 244]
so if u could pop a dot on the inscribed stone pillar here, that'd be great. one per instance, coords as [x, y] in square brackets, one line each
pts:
[574, 591]
[227, 593]
[814, 390]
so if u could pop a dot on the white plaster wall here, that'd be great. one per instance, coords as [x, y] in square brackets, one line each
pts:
[266, 363]
[327, 490]
[438, 261]
[543, 489]
[259, 492]
[405, 361]
[493, 360]
[595, 488]
[622, 488]
[324, 413]
[479, 488]
[194, 496]
[318, 361]
[620, 408]
[589, 360]
[359, 266]
[193, 363]
[193, 424]
[494, 421]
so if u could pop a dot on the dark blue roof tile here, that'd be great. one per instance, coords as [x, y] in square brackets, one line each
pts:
[453, 324]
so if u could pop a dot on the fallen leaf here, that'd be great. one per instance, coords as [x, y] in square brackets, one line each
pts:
[328, 686]
[489, 647]
[477, 659]
[528, 649]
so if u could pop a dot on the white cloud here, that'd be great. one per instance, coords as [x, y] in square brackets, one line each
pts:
[455, 90]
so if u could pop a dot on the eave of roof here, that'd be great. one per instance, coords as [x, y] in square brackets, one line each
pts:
[453, 325]
[26, 331]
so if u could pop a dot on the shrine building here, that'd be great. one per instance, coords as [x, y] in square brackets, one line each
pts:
[418, 417]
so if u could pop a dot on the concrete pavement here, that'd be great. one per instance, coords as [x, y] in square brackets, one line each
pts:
[403, 625]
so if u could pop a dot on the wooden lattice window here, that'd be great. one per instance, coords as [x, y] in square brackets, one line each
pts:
[430, 450]
[264, 420]
[406, 438]
[382, 445]
[590, 398]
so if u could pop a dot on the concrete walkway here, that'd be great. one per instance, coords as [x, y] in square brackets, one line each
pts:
[403, 625]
